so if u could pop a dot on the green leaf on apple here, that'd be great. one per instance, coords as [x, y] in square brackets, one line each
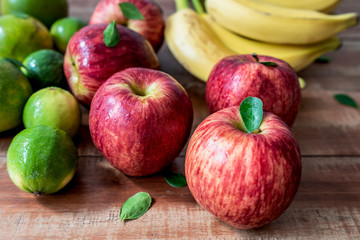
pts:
[130, 11]
[175, 179]
[135, 206]
[251, 112]
[346, 100]
[111, 35]
[271, 64]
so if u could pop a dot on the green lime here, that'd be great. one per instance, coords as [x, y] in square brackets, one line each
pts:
[15, 90]
[41, 159]
[47, 11]
[44, 68]
[63, 29]
[21, 35]
[54, 107]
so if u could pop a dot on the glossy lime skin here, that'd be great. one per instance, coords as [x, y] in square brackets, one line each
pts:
[54, 107]
[15, 90]
[63, 29]
[41, 159]
[20, 36]
[44, 68]
[47, 11]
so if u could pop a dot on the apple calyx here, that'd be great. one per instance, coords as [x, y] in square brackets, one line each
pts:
[251, 112]
[271, 64]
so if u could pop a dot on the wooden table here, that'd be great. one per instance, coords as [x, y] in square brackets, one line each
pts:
[327, 205]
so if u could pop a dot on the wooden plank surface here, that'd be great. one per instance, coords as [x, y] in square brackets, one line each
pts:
[327, 205]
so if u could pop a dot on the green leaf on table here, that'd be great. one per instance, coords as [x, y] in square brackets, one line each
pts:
[323, 59]
[111, 35]
[130, 11]
[175, 179]
[251, 111]
[346, 100]
[135, 206]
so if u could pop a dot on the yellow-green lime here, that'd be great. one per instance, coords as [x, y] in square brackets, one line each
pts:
[41, 159]
[63, 29]
[15, 90]
[44, 68]
[47, 11]
[21, 35]
[53, 106]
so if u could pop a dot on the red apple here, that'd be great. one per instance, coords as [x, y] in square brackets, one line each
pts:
[140, 119]
[152, 27]
[245, 179]
[237, 77]
[89, 62]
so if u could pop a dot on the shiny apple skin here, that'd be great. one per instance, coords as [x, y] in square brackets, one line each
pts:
[237, 77]
[152, 27]
[245, 180]
[140, 135]
[89, 62]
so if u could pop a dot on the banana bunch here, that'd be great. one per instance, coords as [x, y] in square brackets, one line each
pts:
[198, 41]
[262, 21]
[192, 42]
[325, 6]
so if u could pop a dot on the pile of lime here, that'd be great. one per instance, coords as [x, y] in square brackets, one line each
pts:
[44, 68]
[34, 35]
[15, 89]
[41, 159]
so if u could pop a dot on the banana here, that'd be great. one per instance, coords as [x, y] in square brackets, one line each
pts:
[315, 5]
[270, 23]
[298, 56]
[193, 43]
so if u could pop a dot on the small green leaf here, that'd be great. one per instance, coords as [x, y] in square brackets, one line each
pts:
[323, 59]
[175, 179]
[271, 64]
[346, 100]
[111, 35]
[135, 206]
[130, 11]
[251, 111]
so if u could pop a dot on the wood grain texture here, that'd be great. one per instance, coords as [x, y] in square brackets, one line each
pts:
[327, 205]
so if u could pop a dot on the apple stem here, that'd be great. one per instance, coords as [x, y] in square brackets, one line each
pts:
[181, 4]
[258, 130]
[198, 6]
[271, 64]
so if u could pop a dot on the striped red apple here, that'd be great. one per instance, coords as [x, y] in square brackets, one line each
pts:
[237, 77]
[140, 119]
[150, 27]
[89, 62]
[245, 179]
